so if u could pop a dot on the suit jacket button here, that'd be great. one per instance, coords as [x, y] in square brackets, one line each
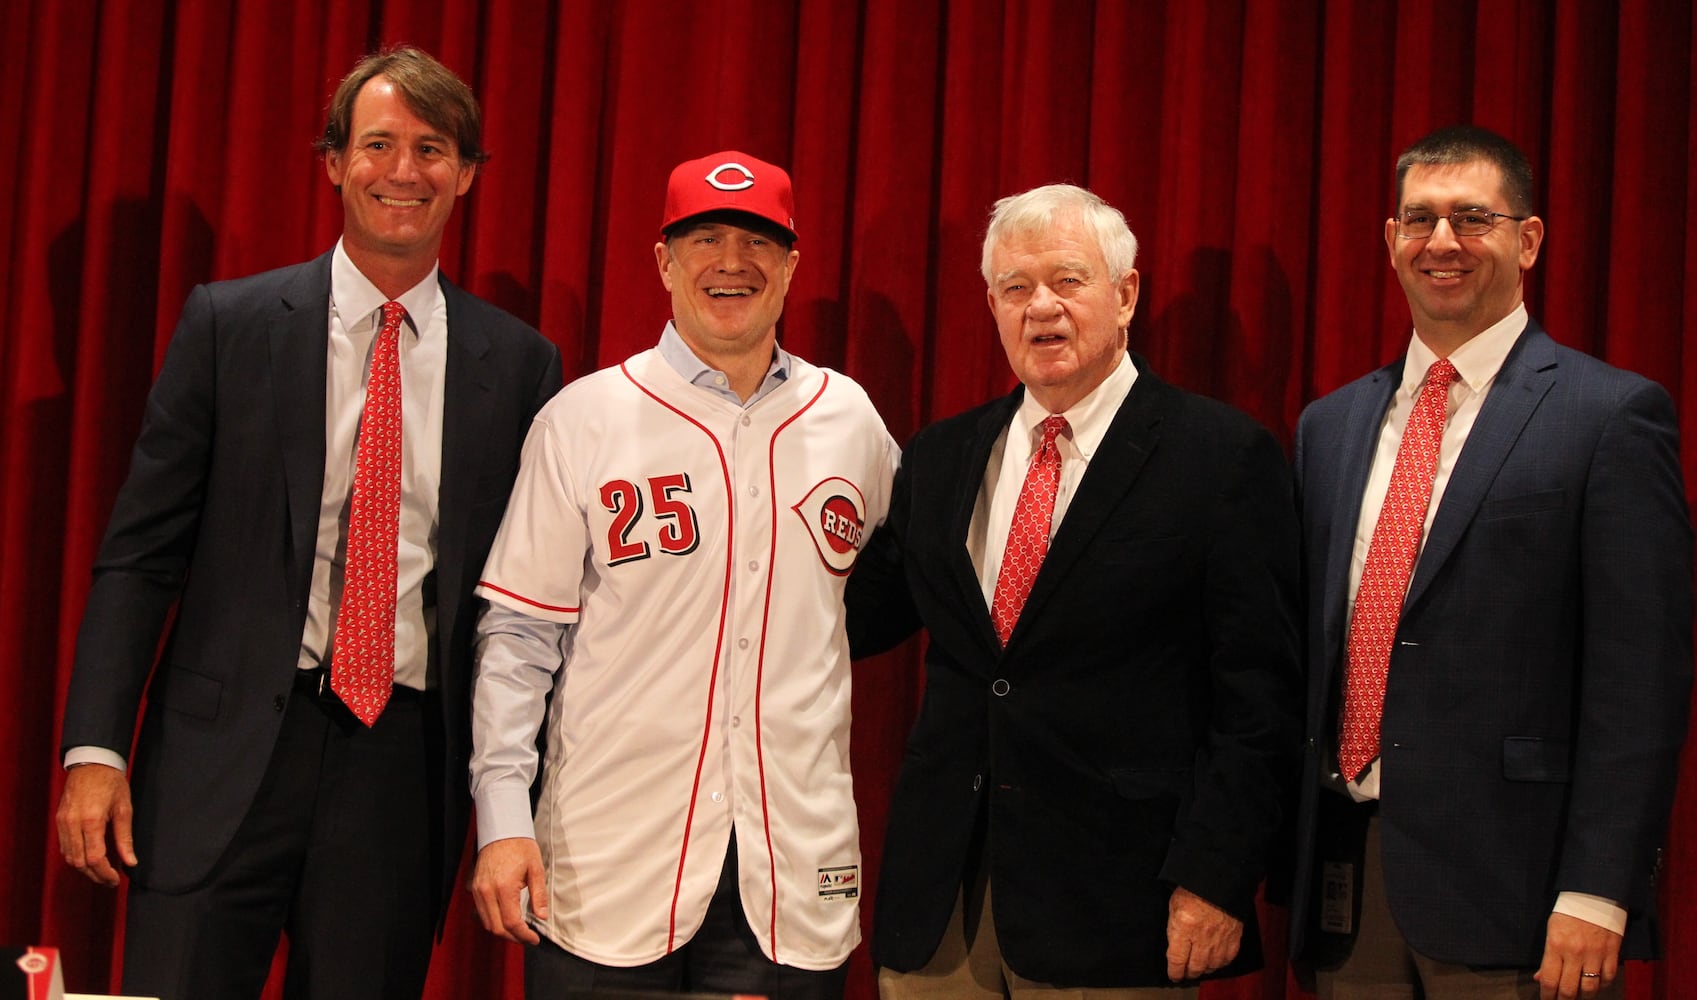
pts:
[278, 702]
[1000, 687]
[977, 782]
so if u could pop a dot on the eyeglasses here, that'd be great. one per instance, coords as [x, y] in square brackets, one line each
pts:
[1463, 222]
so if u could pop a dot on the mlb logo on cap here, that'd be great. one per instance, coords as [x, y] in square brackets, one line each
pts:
[730, 182]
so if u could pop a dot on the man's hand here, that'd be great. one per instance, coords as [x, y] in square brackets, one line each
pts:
[1573, 947]
[95, 795]
[504, 868]
[1201, 937]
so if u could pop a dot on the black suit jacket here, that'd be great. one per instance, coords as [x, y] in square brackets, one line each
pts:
[1138, 729]
[1540, 680]
[219, 518]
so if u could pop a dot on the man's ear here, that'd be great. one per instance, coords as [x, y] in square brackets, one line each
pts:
[1531, 240]
[663, 261]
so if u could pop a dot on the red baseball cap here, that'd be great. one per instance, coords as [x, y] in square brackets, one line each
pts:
[729, 181]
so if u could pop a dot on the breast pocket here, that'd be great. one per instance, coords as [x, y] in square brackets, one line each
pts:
[1522, 505]
[1164, 552]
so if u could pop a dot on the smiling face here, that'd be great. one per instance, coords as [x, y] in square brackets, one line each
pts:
[728, 285]
[1457, 286]
[399, 177]
[1062, 317]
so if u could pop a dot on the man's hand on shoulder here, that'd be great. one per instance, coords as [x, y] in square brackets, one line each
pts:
[95, 796]
[1201, 937]
[504, 869]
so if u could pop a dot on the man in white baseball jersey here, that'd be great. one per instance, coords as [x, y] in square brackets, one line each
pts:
[667, 588]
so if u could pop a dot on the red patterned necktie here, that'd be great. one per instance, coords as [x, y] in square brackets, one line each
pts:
[1028, 536]
[1384, 579]
[363, 658]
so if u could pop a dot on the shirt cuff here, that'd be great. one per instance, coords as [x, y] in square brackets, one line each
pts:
[502, 812]
[94, 755]
[1605, 913]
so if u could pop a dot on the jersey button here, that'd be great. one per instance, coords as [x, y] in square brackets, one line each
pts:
[742, 643]
[754, 491]
[718, 796]
[754, 566]
[736, 720]
[745, 420]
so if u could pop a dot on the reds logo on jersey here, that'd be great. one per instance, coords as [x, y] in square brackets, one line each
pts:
[835, 515]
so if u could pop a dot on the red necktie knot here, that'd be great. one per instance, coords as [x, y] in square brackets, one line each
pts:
[1439, 377]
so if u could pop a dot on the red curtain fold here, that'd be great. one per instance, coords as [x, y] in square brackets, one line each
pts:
[1249, 142]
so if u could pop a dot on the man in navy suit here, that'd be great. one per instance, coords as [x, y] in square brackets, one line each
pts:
[1090, 792]
[262, 803]
[1508, 768]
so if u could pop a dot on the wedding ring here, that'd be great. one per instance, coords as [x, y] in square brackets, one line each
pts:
[1590, 975]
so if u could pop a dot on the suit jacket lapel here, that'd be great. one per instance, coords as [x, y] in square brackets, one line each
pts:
[1526, 375]
[299, 338]
[468, 383]
[1361, 431]
[973, 468]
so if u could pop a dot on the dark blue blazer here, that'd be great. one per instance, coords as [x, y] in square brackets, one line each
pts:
[1141, 726]
[219, 519]
[1540, 681]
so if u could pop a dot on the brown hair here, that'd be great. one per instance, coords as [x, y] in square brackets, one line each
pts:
[1462, 144]
[430, 90]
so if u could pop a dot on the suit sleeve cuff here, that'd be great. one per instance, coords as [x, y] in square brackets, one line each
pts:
[1605, 913]
[94, 755]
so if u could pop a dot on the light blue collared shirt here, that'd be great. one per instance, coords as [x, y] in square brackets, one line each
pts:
[682, 360]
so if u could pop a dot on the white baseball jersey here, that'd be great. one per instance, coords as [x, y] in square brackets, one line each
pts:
[700, 550]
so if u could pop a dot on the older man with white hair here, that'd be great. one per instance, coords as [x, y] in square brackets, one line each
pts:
[1107, 568]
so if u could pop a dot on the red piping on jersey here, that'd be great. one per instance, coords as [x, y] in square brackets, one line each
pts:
[719, 644]
[760, 662]
[521, 597]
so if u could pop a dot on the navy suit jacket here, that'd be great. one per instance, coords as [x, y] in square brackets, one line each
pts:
[219, 518]
[1540, 681]
[1140, 728]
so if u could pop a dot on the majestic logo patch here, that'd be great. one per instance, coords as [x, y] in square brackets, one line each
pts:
[841, 883]
[731, 176]
[835, 515]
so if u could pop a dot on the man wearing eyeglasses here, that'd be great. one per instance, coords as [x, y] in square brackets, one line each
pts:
[1498, 558]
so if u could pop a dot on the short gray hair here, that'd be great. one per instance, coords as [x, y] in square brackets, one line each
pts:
[1037, 209]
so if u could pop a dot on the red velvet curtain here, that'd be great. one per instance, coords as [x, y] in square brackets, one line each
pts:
[1249, 142]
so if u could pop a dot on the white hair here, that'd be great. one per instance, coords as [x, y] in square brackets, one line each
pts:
[1037, 209]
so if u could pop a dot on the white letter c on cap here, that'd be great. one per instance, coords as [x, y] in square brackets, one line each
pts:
[747, 176]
